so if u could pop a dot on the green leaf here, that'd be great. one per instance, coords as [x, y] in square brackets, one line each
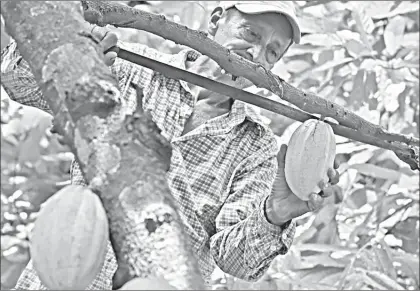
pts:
[408, 231]
[377, 172]
[411, 40]
[394, 34]
[312, 24]
[385, 259]
[17, 254]
[332, 64]
[30, 149]
[357, 198]
[390, 96]
[351, 147]
[305, 235]
[192, 14]
[327, 248]
[299, 50]
[385, 9]
[409, 183]
[384, 280]
[387, 205]
[397, 123]
[356, 49]
[371, 87]
[327, 233]
[325, 260]
[324, 56]
[321, 39]
[353, 281]
[325, 215]
[362, 156]
[316, 275]
[363, 21]
[409, 264]
[297, 66]
[357, 95]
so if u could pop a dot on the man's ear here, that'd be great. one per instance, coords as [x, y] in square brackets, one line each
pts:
[214, 20]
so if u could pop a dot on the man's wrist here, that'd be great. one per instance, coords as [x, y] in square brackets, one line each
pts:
[274, 215]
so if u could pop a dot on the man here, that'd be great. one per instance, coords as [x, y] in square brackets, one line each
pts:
[226, 173]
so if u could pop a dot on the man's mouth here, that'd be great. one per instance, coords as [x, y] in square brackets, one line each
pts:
[245, 55]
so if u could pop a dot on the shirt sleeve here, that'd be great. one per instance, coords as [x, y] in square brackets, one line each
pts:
[168, 100]
[18, 81]
[246, 243]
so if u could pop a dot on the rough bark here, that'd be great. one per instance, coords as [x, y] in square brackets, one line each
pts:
[124, 158]
[119, 15]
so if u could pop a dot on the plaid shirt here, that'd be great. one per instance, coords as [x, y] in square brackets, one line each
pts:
[221, 172]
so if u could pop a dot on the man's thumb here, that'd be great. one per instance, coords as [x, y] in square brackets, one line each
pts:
[281, 156]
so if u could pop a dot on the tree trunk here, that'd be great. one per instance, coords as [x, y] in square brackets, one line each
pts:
[124, 158]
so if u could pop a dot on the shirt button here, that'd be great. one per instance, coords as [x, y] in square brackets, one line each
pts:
[284, 236]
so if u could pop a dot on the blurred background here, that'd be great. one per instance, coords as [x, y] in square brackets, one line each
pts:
[362, 55]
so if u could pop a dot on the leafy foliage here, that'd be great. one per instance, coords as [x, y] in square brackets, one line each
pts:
[362, 55]
[34, 166]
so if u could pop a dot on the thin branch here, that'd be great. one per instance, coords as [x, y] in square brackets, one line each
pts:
[262, 102]
[103, 13]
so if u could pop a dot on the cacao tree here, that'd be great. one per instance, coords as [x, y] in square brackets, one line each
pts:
[116, 160]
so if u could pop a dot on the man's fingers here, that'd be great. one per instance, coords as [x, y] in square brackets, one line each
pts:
[105, 37]
[336, 164]
[327, 192]
[110, 58]
[109, 41]
[281, 156]
[333, 175]
[315, 202]
[99, 32]
[114, 49]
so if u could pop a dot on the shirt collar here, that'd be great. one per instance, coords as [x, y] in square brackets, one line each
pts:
[240, 110]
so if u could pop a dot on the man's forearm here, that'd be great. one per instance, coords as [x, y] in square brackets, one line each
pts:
[277, 215]
[18, 81]
[278, 210]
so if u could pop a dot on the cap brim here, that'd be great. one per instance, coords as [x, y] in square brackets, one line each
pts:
[254, 8]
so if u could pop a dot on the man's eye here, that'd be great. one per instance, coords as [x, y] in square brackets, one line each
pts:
[273, 55]
[249, 34]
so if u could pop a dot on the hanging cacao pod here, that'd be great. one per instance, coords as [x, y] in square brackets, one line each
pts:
[310, 152]
[69, 239]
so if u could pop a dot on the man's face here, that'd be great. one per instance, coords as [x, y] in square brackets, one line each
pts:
[261, 38]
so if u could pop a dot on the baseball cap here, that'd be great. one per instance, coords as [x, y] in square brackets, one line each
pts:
[286, 8]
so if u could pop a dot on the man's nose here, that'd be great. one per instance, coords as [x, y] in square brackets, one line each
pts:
[258, 54]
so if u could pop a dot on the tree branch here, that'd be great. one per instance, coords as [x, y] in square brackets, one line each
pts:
[406, 153]
[119, 15]
[123, 158]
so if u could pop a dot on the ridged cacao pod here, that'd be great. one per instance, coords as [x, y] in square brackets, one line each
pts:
[69, 239]
[311, 151]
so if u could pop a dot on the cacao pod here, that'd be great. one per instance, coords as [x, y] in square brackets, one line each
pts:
[311, 151]
[69, 239]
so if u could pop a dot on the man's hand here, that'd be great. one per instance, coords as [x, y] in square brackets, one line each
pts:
[283, 205]
[108, 41]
